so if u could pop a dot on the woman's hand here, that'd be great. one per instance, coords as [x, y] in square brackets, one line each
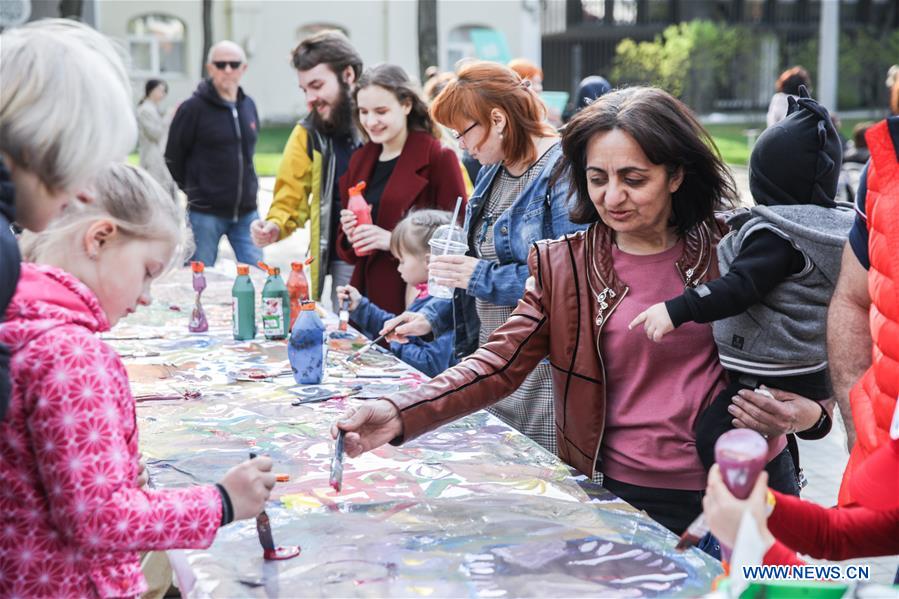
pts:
[249, 485]
[347, 222]
[452, 271]
[407, 324]
[656, 322]
[723, 511]
[369, 238]
[369, 426]
[781, 414]
[349, 292]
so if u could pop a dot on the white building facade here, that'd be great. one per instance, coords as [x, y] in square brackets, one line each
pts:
[165, 39]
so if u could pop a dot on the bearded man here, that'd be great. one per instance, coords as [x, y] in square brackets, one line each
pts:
[316, 155]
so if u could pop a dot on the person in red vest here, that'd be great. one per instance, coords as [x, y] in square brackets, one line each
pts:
[868, 529]
[866, 361]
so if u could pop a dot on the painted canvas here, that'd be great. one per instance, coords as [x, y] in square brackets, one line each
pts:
[472, 509]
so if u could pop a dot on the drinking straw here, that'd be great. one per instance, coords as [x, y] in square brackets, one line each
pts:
[453, 222]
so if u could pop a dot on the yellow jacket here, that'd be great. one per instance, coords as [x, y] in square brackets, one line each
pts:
[299, 188]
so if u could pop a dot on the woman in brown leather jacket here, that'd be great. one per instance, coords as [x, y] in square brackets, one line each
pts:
[645, 172]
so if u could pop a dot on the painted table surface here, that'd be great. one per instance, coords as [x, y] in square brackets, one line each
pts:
[472, 509]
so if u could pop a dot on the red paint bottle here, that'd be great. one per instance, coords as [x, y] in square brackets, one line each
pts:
[297, 287]
[360, 208]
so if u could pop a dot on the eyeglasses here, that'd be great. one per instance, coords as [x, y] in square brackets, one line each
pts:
[459, 136]
[221, 64]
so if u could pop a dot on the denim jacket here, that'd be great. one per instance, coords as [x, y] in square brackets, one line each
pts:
[540, 212]
[430, 357]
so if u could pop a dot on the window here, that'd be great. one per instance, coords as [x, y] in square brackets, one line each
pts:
[624, 12]
[473, 41]
[156, 44]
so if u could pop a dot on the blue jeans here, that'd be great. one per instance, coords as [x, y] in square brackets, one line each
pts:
[208, 230]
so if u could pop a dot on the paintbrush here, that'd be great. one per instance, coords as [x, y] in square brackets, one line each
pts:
[264, 530]
[336, 479]
[328, 396]
[366, 347]
[694, 533]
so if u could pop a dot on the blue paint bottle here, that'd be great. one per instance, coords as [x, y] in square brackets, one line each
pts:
[306, 347]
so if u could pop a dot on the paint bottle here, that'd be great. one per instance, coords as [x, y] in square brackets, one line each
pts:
[243, 304]
[306, 348]
[360, 208]
[198, 322]
[297, 288]
[741, 454]
[275, 304]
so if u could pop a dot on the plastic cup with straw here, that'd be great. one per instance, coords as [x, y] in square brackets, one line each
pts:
[447, 240]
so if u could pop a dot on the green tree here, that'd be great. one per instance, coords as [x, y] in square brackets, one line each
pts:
[691, 60]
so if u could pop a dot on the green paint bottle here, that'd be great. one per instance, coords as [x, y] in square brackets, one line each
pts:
[275, 305]
[243, 305]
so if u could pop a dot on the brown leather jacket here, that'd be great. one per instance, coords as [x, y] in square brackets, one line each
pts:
[573, 290]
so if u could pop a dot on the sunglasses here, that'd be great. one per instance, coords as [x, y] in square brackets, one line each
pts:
[221, 64]
[458, 136]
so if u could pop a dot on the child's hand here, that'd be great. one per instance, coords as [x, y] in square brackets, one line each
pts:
[347, 222]
[656, 322]
[348, 291]
[249, 485]
[143, 475]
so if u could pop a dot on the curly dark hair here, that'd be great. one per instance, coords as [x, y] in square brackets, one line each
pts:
[669, 134]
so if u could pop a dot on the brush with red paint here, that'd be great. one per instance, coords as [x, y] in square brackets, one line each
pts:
[337, 463]
[264, 530]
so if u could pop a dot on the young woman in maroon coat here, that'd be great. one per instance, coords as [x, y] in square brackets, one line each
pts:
[404, 166]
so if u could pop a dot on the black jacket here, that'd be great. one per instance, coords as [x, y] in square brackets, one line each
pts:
[9, 273]
[210, 157]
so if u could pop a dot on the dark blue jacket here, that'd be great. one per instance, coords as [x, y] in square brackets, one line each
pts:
[210, 152]
[431, 358]
[9, 272]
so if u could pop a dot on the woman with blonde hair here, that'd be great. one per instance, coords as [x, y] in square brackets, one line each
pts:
[500, 121]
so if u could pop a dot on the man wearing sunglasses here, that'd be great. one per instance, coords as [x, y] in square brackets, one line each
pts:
[316, 155]
[210, 155]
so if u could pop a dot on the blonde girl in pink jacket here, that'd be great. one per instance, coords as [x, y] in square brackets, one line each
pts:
[74, 508]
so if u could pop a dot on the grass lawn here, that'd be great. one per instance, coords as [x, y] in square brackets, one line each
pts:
[730, 139]
[733, 144]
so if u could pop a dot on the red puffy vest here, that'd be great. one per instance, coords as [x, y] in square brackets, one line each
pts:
[873, 398]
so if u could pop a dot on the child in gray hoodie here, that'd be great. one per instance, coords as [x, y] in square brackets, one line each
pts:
[779, 265]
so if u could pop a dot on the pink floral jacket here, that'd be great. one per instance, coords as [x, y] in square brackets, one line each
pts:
[72, 520]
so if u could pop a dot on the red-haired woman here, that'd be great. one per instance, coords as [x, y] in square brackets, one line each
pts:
[500, 121]
[405, 167]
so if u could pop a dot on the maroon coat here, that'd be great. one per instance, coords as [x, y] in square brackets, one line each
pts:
[427, 175]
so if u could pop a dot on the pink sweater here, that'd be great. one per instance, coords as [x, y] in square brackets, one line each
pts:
[656, 391]
[72, 520]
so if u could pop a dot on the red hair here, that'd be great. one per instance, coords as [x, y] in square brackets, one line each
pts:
[481, 87]
[525, 68]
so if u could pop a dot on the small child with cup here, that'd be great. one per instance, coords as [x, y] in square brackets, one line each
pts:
[409, 244]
